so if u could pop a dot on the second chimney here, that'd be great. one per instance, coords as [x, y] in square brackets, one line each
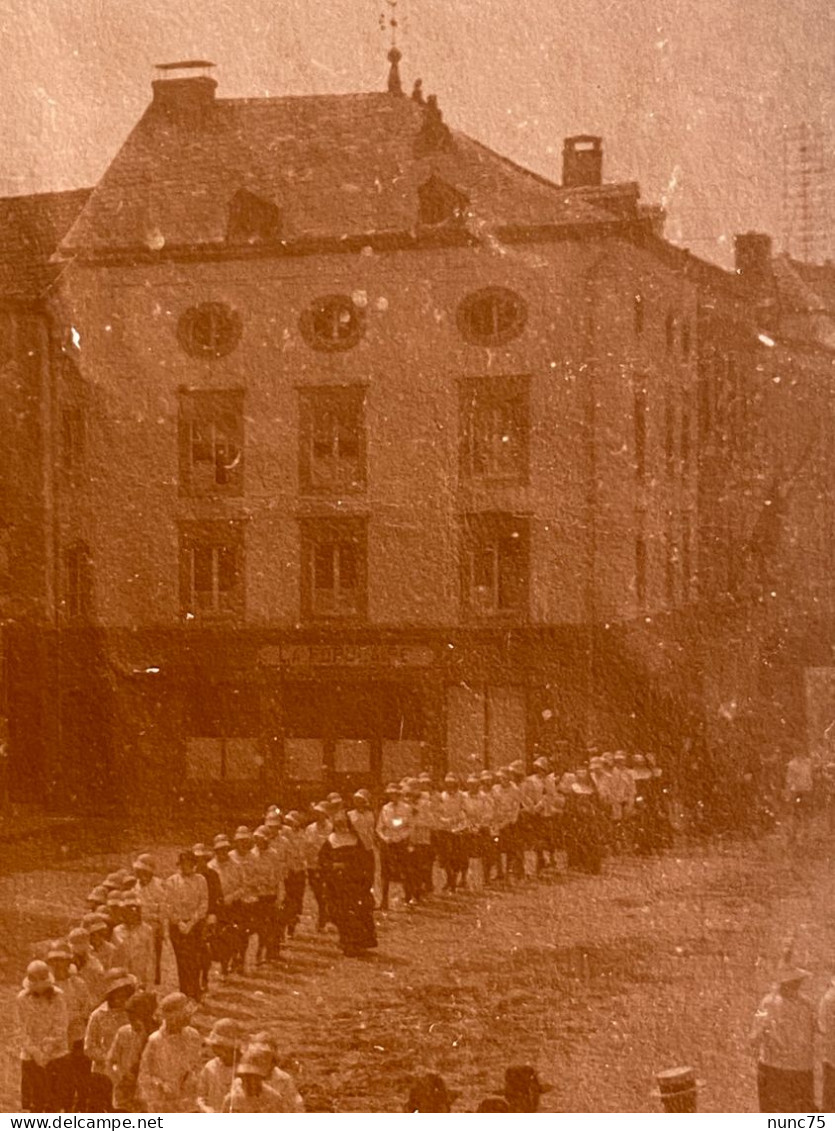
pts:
[752, 257]
[582, 161]
[184, 90]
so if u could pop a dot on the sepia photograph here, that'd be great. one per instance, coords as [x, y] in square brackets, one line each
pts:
[417, 557]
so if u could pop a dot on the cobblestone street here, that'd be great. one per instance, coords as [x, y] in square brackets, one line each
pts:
[598, 981]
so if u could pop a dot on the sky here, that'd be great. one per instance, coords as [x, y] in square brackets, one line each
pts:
[692, 97]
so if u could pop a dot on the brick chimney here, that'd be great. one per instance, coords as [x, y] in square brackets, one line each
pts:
[752, 258]
[183, 91]
[582, 161]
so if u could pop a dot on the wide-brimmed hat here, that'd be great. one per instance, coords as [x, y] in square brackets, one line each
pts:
[93, 922]
[59, 952]
[226, 1032]
[201, 851]
[131, 899]
[78, 935]
[145, 863]
[517, 767]
[486, 775]
[520, 1078]
[242, 833]
[38, 975]
[334, 798]
[118, 978]
[256, 1061]
[322, 809]
[175, 1005]
[451, 779]
[273, 820]
[98, 896]
[261, 833]
[111, 882]
[221, 841]
[293, 819]
[362, 794]
[394, 787]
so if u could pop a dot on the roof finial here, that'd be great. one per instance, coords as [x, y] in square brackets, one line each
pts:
[395, 86]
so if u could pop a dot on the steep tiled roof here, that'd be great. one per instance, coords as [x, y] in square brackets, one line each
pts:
[335, 165]
[31, 227]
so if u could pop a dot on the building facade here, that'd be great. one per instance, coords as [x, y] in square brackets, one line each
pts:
[371, 452]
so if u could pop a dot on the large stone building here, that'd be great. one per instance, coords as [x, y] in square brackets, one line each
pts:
[367, 450]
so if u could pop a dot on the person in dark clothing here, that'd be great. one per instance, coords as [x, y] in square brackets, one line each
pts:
[344, 866]
[203, 855]
[584, 832]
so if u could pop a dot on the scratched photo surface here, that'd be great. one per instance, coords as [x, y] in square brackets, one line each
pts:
[417, 686]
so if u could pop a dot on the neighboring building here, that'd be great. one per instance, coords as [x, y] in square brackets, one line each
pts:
[377, 452]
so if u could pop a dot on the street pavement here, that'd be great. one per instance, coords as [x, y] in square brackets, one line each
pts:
[598, 981]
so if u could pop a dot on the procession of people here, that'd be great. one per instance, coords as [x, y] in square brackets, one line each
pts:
[95, 1034]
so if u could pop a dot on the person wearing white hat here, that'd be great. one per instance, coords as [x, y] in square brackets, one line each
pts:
[250, 1093]
[76, 1069]
[229, 911]
[783, 1040]
[295, 874]
[267, 870]
[105, 1022]
[125, 1053]
[315, 834]
[42, 1020]
[826, 1026]
[218, 1074]
[135, 943]
[244, 856]
[98, 927]
[187, 904]
[150, 891]
[171, 1062]
[394, 829]
[86, 964]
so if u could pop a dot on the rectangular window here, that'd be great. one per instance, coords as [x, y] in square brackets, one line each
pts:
[212, 569]
[495, 426]
[671, 567]
[686, 558]
[334, 562]
[332, 442]
[79, 582]
[685, 444]
[641, 570]
[639, 421]
[73, 438]
[669, 432]
[211, 430]
[224, 724]
[495, 564]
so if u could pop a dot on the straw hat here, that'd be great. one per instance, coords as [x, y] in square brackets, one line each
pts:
[257, 1061]
[38, 975]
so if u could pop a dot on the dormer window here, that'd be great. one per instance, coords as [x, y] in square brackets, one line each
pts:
[440, 202]
[252, 220]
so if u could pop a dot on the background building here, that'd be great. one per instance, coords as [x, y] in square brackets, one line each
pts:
[369, 451]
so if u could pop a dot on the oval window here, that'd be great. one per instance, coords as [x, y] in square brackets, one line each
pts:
[492, 316]
[212, 329]
[333, 322]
